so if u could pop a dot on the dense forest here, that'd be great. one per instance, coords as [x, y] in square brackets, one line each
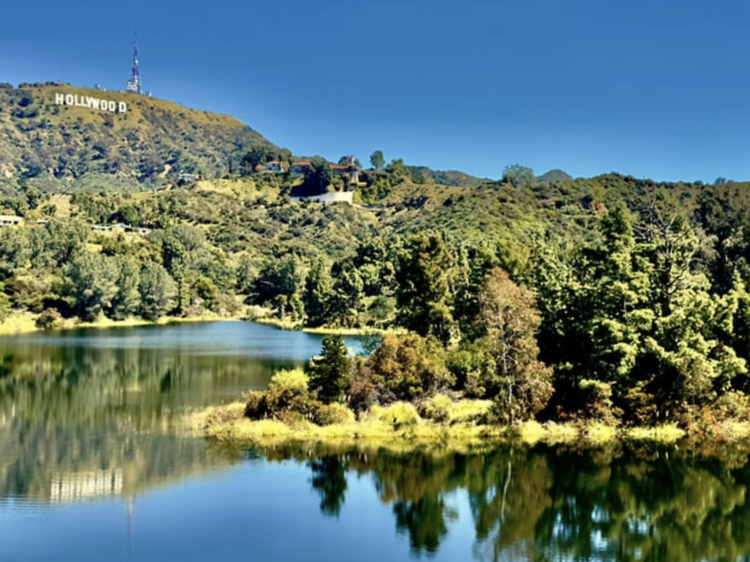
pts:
[610, 298]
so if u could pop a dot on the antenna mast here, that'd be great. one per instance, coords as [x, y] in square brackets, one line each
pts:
[134, 84]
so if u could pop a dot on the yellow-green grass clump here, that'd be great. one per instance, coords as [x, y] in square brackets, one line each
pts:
[289, 412]
[666, 434]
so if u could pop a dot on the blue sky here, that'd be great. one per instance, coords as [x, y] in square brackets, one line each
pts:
[657, 88]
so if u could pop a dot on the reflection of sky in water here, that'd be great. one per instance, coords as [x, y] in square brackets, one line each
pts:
[210, 338]
[257, 511]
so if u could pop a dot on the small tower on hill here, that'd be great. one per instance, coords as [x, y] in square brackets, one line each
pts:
[134, 85]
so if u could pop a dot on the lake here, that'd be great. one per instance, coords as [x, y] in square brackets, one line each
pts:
[96, 465]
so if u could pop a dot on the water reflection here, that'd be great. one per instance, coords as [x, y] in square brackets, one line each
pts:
[100, 413]
[92, 417]
[552, 504]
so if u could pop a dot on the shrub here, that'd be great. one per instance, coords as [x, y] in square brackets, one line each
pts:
[286, 399]
[437, 408]
[409, 366]
[286, 385]
[330, 414]
[256, 405]
[49, 319]
[597, 402]
[399, 415]
[641, 405]
[733, 406]
[475, 412]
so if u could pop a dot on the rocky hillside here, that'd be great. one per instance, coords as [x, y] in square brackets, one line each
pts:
[56, 137]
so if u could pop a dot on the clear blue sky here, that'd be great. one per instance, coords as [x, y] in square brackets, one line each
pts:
[651, 88]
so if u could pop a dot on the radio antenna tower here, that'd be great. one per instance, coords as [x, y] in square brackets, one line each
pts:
[134, 84]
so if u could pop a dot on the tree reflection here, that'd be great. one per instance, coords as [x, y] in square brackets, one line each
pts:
[425, 522]
[554, 503]
[70, 415]
[329, 480]
[508, 507]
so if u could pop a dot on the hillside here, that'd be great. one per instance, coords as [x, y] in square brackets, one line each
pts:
[445, 177]
[52, 145]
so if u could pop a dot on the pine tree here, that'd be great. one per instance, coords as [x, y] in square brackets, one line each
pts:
[329, 373]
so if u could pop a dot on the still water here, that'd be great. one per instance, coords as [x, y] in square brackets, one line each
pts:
[95, 464]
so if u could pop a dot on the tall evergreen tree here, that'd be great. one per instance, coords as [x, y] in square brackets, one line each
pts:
[425, 295]
[318, 294]
[329, 373]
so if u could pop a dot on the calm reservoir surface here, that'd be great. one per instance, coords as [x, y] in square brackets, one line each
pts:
[95, 464]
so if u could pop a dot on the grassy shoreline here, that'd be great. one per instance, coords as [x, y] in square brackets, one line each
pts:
[227, 424]
[297, 327]
[25, 323]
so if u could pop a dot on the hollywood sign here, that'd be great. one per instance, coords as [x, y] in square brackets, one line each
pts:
[75, 100]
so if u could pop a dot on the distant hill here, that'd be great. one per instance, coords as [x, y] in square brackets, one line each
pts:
[453, 178]
[55, 137]
[554, 176]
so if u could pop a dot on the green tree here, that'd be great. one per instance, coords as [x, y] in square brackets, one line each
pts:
[318, 176]
[329, 373]
[398, 169]
[279, 284]
[127, 298]
[409, 366]
[318, 295]
[374, 263]
[14, 251]
[476, 262]
[618, 302]
[91, 281]
[157, 291]
[347, 299]
[253, 158]
[424, 294]
[377, 160]
[518, 176]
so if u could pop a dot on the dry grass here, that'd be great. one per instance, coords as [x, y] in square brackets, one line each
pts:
[25, 322]
[666, 434]
[532, 432]
[399, 426]
[18, 323]
[396, 425]
[377, 427]
[598, 433]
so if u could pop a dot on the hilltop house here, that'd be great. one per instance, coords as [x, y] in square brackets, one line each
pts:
[10, 220]
[274, 167]
[348, 170]
[299, 168]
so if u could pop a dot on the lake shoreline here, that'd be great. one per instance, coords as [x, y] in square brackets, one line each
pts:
[227, 424]
[25, 323]
[296, 327]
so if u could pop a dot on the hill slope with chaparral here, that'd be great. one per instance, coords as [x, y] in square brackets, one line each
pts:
[55, 137]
